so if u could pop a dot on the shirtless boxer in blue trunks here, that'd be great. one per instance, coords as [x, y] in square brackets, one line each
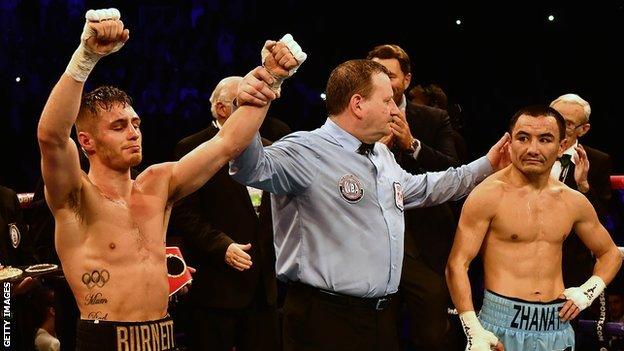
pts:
[518, 219]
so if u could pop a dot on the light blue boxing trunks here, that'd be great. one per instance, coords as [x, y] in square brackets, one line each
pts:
[526, 326]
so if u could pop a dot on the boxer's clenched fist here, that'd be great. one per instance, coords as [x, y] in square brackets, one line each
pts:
[104, 32]
[282, 59]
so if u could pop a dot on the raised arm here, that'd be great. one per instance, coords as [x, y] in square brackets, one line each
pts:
[474, 222]
[103, 34]
[256, 90]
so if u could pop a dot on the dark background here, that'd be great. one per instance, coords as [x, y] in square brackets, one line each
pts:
[502, 57]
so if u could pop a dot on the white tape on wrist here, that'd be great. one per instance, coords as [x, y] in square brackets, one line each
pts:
[294, 48]
[81, 63]
[478, 339]
[297, 53]
[83, 60]
[584, 295]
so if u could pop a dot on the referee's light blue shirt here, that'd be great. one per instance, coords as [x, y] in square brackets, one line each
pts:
[338, 215]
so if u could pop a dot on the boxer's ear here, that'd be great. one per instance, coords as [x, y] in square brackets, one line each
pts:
[87, 142]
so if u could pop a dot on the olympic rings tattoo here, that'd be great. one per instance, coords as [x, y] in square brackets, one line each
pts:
[96, 278]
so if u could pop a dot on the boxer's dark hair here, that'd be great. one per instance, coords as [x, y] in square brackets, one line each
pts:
[539, 111]
[350, 78]
[100, 99]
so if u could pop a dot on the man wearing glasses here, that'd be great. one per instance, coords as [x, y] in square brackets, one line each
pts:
[589, 175]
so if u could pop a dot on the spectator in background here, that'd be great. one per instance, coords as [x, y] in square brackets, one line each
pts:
[430, 95]
[433, 95]
[44, 317]
[425, 143]
[616, 314]
[590, 178]
[227, 234]
[616, 306]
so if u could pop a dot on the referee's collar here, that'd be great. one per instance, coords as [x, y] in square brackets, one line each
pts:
[344, 138]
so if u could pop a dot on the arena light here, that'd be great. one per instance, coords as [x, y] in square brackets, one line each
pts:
[551, 18]
[18, 79]
[458, 22]
[323, 96]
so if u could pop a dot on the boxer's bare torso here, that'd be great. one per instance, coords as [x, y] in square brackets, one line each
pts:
[518, 219]
[113, 250]
[522, 247]
[110, 230]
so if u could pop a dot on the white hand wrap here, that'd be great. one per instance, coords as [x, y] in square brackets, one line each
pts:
[479, 339]
[584, 295]
[295, 50]
[83, 60]
[297, 53]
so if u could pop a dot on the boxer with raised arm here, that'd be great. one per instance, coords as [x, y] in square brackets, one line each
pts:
[110, 229]
[517, 219]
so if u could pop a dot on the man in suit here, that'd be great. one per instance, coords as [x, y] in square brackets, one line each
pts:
[227, 235]
[590, 178]
[422, 141]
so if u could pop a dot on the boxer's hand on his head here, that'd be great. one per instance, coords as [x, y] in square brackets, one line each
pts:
[254, 88]
[104, 32]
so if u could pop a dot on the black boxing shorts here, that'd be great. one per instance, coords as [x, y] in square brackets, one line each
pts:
[96, 335]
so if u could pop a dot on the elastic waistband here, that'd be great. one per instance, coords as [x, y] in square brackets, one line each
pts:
[375, 303]
[156, 335]
[555, 301]
[514, 313]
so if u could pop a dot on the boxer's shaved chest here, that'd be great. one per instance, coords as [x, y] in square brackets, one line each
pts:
[123, 230]
[532, 216]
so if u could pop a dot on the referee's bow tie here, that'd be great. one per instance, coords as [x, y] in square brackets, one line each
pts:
[365, 149]
[565, 160]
